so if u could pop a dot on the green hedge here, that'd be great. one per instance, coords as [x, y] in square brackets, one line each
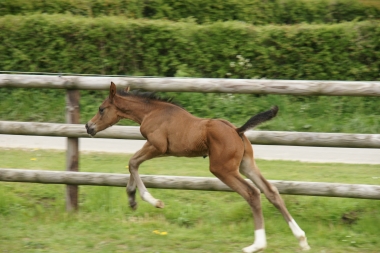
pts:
[250, 11]
[114, 45]
[261, 12]
[374, 3]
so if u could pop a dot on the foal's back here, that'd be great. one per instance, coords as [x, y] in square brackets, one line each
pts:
[176, 132]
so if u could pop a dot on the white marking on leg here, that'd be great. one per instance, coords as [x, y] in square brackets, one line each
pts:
[155, 202]
[259, 244]
[299, 234]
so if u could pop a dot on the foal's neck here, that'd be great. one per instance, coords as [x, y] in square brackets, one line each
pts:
[133, 108]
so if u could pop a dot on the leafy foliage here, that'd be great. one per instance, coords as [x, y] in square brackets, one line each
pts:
[251, 11]
[115, 45]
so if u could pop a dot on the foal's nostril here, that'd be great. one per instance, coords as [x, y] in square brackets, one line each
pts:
[86, 126]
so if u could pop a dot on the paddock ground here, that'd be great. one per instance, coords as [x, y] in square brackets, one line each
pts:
[33, 219]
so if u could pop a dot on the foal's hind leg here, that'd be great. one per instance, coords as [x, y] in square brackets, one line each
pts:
[249, 169]
[231, 177]
[147, 152]
[274, 197]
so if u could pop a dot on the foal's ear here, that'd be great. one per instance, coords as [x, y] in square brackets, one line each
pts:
[112, 91]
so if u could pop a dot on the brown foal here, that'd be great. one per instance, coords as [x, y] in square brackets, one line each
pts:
[172, 131]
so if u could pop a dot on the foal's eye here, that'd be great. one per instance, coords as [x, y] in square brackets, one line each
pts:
[101, 110]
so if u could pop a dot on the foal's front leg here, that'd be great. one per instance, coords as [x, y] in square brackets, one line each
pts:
[131, 192]
[147, 152]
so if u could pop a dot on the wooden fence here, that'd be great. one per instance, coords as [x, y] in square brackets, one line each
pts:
[257, 137]
[186, 183]
[254, 86]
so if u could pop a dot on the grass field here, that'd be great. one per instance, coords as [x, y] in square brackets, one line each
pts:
[32, 216]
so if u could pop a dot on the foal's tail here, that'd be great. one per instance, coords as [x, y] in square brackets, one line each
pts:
[258, 119]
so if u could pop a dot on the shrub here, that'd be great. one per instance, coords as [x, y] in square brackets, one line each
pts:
[116, 46]
[256, 12]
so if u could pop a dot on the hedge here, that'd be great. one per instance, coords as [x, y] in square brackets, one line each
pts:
[115, 45]
[251, 11]
[374, 3]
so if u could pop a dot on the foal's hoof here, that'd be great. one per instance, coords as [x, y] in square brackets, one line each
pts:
[160, 204]
[303, 243]
[133, 206]
[254, 248]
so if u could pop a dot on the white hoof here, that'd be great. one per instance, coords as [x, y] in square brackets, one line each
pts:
[299, 234]
[259, 244]
[254, 248]
[159, 204]
[155, 202]
[303, 243]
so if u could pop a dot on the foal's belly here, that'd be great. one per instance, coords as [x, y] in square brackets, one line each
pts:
[189, 140]
[187, 153]
[188, 149]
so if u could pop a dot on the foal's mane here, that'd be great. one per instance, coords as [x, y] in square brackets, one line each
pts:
[149, 96]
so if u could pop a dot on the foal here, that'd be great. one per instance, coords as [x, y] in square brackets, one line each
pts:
[172, 131]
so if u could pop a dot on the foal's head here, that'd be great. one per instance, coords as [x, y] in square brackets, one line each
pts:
[107, 114]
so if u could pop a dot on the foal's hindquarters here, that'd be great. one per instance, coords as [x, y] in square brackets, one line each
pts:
[249, 169]
[231, 154]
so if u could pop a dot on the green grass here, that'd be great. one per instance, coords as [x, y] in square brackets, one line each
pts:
[32, 216]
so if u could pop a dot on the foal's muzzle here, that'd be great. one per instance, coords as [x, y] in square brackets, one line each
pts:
[90, 129]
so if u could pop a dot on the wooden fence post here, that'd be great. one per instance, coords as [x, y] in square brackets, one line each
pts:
[72, 153]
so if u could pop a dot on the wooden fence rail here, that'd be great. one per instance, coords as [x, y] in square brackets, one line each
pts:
[220, 85]
[256, 137]
[186, 183]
